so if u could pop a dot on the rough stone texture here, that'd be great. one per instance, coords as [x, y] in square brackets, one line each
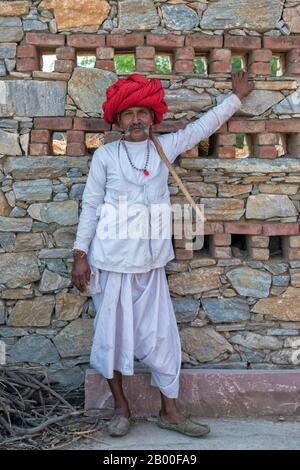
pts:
[137, 14]
[87, 87]
[179, 17]
[204, 344]
[63, 213]
[250, 282]
[51, 282]
[223, 209]
[244, 165]
[195, 282]
[256, 341]
[34, 349]
[226, 310]
[265, 206]
[258, 15]
[185, 309]
[2, 312]
[284, 307]
[210, 393]
[11, 33]
[43, 167]
[4, 206]
[258, 102]
[32, 98]
[35, 312]
[9, 143]
[37, 190]
[75, 339]
[289, 105]
[18, 269]
[186, 100]
[16, 8]
[68, 306]
[78, 15]
[291, 17]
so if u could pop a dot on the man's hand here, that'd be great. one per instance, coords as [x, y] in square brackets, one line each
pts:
[240, 84]
[81, 273]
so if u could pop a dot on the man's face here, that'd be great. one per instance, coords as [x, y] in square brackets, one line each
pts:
[136, 122]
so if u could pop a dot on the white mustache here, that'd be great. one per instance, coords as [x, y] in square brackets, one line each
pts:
[131, 127]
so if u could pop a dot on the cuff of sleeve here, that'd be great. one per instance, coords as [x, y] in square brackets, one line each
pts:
[236, 99]
[78, 246]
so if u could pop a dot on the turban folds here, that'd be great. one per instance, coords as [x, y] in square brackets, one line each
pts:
[135, 90]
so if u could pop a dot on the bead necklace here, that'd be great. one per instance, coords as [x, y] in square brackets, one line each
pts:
[144, 170]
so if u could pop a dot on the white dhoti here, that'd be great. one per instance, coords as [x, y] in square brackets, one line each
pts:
[135, 318]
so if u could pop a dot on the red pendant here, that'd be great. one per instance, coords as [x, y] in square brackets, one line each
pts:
[146, 173]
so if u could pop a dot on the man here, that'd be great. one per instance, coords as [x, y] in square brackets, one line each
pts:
[125, 274]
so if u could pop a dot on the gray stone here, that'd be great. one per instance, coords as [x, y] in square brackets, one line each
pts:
[42, 167]
[256, 341]
[198, 83]
[75, 339]
[65, 237]
[18, 269]
[87, 87]
[178, 17]
[11, 34]
[67, 376]
[10, 21]
[250, 282]
[194, 282]
[137, 14]
[226, 310]
[257, 102]
[36, 312]
[36, 190]
[223, 209]
[186, 100]
[257, 15]
[12, 332]
[57, 266]
[2, 312]
[10, 64]
[278, 268]
[63, 213]
[51, 281]
[32, 98]
[10, 224]
[7, 51]
[281, 280]
[9, 143]
[243, 165]
[265, 206]
[204, 344]
[286, 356]
[34, 25]
[7, 241]
[69, 306]
[9, 124]
[77, 191]
[34, 349]
[289, 105]
[3, 70]
[29, 242]
[53, 253]
[185, 309]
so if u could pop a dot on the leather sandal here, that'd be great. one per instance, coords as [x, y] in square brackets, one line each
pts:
[118, 426]
[187, 427]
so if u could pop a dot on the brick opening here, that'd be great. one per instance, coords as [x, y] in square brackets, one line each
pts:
[163, 63]
[276, 246]
[47, 61]
[238, 62]
[200, 65]
[239, 245]
[93, 140]
[278, 64]
[124, 62]
[59, 143]
[243, 145]
[86, 59]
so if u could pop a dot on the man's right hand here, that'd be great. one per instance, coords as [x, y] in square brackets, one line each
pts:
[81, 272]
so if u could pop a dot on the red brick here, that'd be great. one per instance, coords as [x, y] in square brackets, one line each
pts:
[204, 42]
[293, 62]
[53, 123]
[246, 126]
[226, 139]
[210, 228]
[280, 229]
[223, 129]
[294, 241]
[265, 151]
[111, 136]
[283, 125]
[220, 67]
[241, 42]
[85, 41]
[184, 66]
[105, 65]
[265, 139]
[123, 41]
[170, 126]
[66, 53]
[225, 152]
[165, 41]
[260, 68]
[260, 55]
[27, 65]
[45, 39]
[182, 254]
[145, 52]
[292, 254]
[257, 241]
[27, 50]
[220, 54]
[221, 239]
[39, 149]
[187, 53]
[145, 65]
[40, 136]
[75, 136]
[90, 124]
[75, 149]
[64, 66]
[105, 53]
[243, 228]
[282, 43]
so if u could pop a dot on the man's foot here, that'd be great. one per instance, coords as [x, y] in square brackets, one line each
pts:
[188, 426]
[118, 426]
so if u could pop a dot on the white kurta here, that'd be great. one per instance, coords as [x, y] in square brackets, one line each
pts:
[134, 311]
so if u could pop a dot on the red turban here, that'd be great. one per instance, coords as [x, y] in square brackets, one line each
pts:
[135, 90]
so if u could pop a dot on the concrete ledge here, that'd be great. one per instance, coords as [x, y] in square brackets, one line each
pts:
[209, 393]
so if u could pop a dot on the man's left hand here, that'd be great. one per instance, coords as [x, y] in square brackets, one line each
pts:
[240, 84]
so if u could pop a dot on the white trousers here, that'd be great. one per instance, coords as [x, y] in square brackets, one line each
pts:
[135, 318]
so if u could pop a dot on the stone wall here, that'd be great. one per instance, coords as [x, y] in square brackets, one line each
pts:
[237, 299]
